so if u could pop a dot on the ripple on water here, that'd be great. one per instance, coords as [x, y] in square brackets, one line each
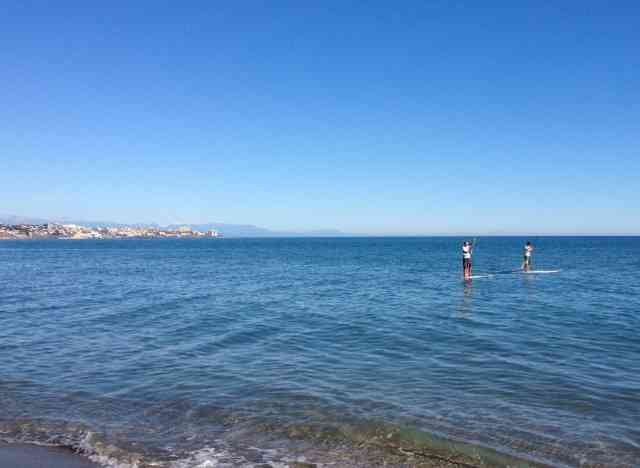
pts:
[193, 344]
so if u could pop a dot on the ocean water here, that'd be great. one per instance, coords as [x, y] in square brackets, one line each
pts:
[350, 352]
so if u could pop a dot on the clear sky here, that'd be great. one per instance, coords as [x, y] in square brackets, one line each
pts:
[370, 117]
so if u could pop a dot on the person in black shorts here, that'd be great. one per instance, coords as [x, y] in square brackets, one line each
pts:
[528, 251]
[467, 250]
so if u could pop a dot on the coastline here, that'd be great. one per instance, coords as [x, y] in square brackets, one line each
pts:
[39, 456]
[74, 231]
[305, 446]
[26, 455]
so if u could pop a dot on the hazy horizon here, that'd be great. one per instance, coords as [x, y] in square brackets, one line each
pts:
[328, 230]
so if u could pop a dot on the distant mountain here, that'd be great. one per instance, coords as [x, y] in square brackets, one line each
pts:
[227, 230]
[12, 219]
[249, 230]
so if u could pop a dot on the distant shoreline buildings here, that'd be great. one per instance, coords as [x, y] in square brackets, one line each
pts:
[74, 231]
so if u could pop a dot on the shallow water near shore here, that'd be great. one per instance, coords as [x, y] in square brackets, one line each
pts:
[340, 352]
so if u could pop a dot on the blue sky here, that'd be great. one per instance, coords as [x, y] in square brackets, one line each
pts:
[369, 117]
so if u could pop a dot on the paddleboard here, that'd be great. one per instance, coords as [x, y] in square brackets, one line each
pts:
[540, 272]
[479, 276]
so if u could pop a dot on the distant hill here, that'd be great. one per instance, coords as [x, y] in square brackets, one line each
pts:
[249, 230]
[12, 219]
[227, 230]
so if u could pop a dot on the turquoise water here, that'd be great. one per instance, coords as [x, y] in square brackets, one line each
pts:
[251, 351]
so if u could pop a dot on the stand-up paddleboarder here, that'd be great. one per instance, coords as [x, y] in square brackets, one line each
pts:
[528, 251]
[467, 250]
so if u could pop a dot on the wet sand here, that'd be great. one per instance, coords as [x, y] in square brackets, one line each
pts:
[35, 456]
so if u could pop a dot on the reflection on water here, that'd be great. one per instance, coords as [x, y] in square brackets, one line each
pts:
[466, 305]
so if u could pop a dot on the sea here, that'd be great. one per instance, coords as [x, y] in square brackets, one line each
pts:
[341, 352]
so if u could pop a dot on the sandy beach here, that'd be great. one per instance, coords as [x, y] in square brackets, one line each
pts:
[35, 456]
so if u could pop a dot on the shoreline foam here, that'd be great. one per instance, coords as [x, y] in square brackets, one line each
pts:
[266, 447]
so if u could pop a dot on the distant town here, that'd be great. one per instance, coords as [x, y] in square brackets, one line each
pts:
[74, 231]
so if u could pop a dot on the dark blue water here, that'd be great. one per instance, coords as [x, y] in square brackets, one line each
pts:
[334, 351]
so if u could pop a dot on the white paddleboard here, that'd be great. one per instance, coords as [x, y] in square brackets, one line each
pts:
[479, 276]
[540, 272]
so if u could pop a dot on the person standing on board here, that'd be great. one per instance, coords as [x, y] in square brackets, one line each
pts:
[528, 250]
[467, 250]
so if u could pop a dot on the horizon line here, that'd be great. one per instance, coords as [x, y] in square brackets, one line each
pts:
[333, 232]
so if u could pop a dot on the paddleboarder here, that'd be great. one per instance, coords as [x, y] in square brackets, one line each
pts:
[528, 251]
[467, 250]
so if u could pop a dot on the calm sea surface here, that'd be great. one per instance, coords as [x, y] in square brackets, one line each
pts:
[225, 352]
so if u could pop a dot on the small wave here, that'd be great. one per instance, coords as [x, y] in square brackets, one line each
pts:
[221, 458]
[108, 455]
[275, 447]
